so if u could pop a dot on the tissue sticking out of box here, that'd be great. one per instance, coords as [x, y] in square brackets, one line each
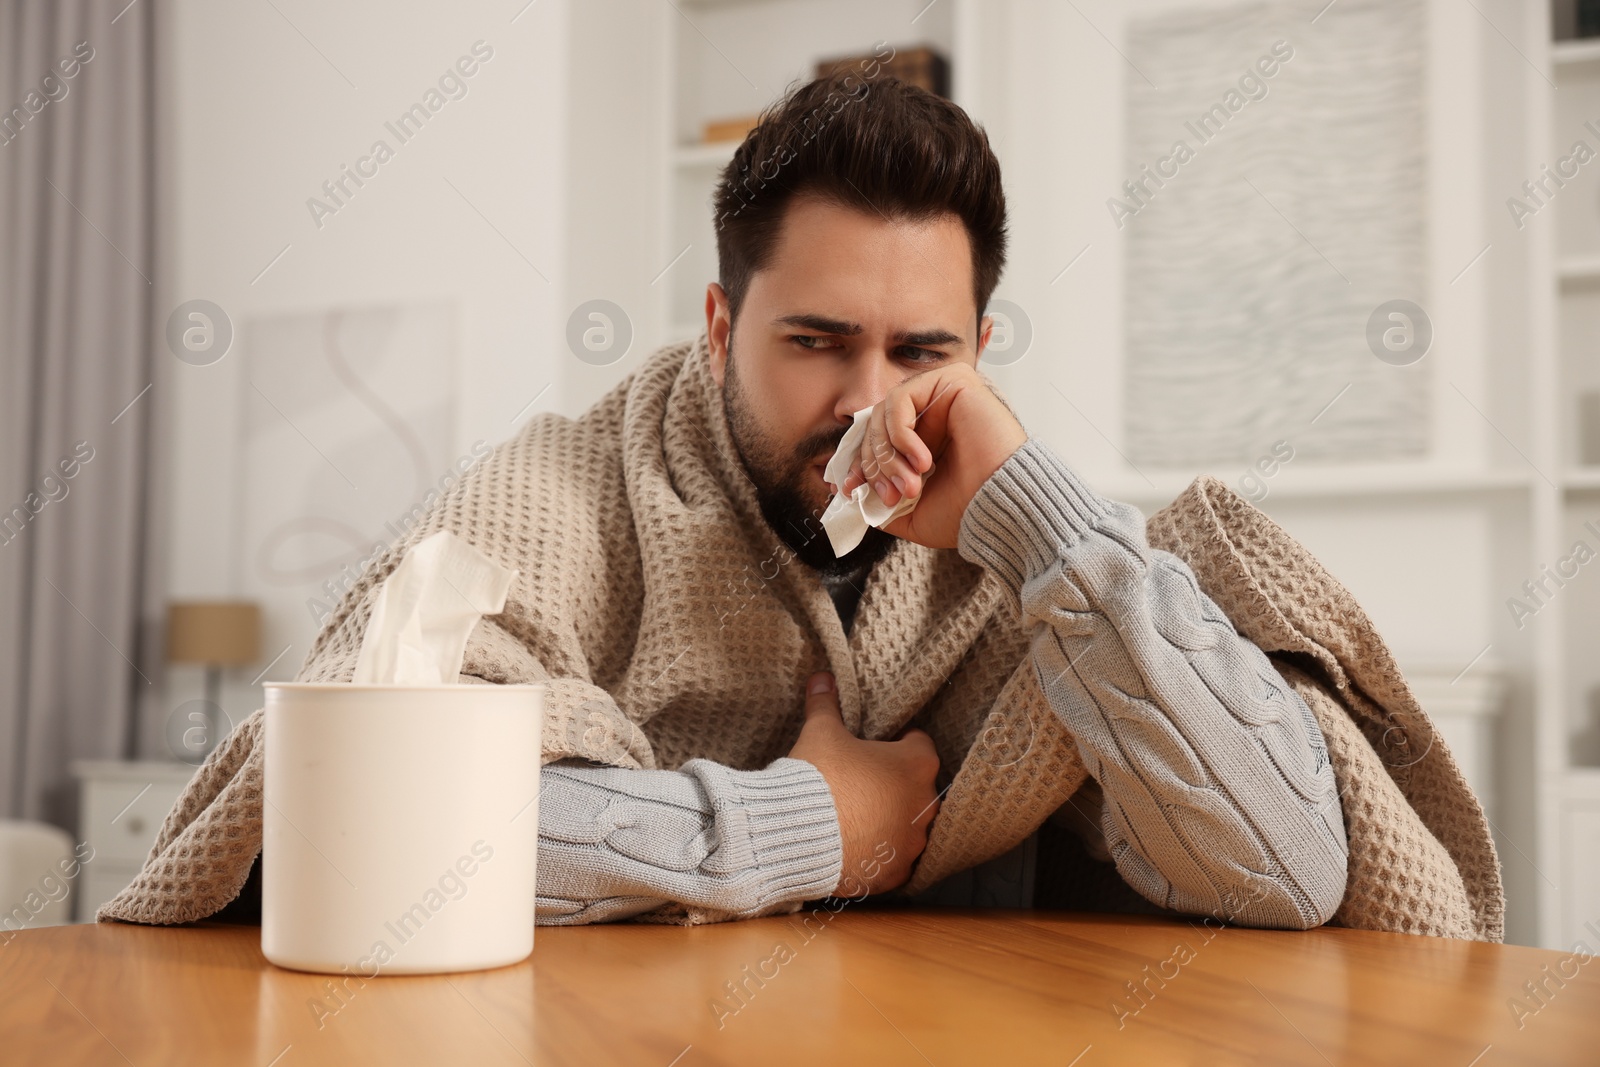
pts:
[848, 517]
[425, 611]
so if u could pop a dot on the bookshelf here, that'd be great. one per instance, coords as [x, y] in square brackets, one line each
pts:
[728, 58]
[1569, 284]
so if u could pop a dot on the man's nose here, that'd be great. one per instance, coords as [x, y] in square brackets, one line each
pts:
[868, 379]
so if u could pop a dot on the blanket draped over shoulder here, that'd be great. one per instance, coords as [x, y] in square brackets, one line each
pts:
[668, 622]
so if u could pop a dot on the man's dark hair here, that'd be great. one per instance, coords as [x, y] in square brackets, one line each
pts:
[875, 144]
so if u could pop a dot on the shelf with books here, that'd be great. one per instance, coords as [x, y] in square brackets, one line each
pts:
[725, 61]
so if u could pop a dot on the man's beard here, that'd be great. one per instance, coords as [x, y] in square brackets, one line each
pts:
[780, 482]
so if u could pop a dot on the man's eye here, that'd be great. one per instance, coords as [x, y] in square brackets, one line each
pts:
[919, 355]
[808, 341]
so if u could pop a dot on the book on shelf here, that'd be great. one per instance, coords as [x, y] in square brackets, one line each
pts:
[717, 131]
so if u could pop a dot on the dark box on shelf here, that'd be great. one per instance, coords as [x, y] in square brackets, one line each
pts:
[1574, 18]
[922, 67]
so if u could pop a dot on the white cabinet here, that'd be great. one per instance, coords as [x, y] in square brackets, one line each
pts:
[121, 808]
[1580, 844]
[1571, 679]
[1464, 710]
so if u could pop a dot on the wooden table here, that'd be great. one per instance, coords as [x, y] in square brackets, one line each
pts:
[872, 987]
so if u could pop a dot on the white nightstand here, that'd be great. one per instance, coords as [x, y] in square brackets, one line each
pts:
[121, 806]
[1465, 708]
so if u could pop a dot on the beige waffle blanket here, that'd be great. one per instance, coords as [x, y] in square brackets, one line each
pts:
[667, 623]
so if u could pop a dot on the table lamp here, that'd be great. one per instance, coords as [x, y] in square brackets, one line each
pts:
[217, 634]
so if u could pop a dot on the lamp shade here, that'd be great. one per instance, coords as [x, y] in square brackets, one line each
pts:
[225, 633]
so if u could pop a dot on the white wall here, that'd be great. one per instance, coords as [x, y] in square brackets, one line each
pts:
[259, 117]
[616, 153]
[1423, 568]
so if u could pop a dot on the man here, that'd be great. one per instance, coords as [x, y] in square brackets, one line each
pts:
[861, 231]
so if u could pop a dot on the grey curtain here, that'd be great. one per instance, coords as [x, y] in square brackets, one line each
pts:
[76, 419]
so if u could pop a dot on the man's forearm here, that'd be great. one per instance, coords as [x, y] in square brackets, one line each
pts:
[1219, 795]
[615, 843]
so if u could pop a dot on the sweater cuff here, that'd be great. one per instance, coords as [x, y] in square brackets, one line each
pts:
[1027, 514]
[792, 830]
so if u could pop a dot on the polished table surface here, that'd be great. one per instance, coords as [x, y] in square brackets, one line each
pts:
[868, 986]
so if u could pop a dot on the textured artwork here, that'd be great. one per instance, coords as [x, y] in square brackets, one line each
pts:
[1274, 198]
[347, 425]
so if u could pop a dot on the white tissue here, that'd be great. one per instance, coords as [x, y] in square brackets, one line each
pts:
[847, 517]
[425, 611]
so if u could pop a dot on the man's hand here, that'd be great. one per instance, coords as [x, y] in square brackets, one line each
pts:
[947, 416]
[882, 790]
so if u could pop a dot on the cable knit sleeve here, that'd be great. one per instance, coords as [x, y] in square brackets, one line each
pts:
[1219, 796]
[617, 842]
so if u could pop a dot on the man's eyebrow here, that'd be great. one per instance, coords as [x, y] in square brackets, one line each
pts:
[820, 323]
[841, 328]
[932, 336]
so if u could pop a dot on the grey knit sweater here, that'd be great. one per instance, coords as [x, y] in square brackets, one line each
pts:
[1145, 671]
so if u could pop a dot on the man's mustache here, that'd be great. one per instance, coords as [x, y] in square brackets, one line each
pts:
[818, 447]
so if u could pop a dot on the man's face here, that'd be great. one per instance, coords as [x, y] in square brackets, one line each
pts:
[850, 305]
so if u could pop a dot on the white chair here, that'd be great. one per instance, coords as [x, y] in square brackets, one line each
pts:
[34, 890]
